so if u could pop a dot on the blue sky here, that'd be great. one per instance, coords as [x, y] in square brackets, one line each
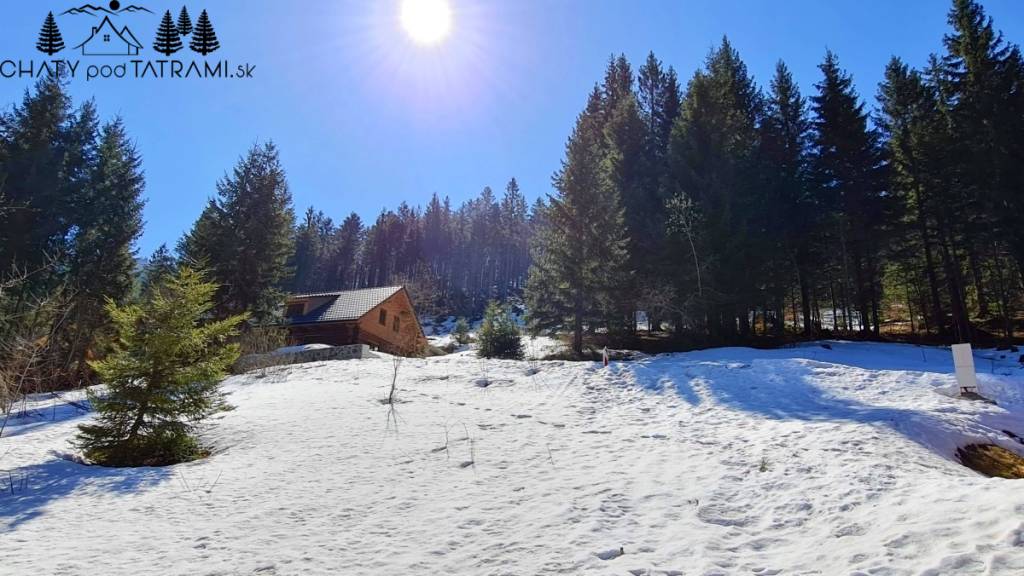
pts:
[365, 119]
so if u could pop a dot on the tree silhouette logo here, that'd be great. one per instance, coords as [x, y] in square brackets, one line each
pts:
[184, 22]
[50, 41]
[204, 39]
[168, 38]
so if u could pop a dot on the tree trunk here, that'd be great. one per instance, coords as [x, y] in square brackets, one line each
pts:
[979, 287]
[961, 324]
[805, 298]
[577, 324]
[933, 281]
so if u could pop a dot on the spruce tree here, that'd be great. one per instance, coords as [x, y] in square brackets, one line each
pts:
[204, 39]
[245, 236]
[714, 176]
[342, 261]
[158, 269]
[499, 335]
[162, 379]
[50, 40]
[982, 80]
[848, 173]
[200, 245]
[918, 142]
[461, 331]
[513, 240]
[580, 254]
[103, 253]
[168, 39]
[312, 240]
[36, 134]
[184, 22]
[788, 214]
[628, 172]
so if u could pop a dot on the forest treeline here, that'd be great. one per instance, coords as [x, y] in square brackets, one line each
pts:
[722, 209]
[718, 208]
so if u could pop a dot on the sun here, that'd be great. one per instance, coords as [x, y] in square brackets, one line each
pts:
[426, 21]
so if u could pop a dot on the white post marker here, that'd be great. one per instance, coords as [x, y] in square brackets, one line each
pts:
[604, 356]
[963, 361]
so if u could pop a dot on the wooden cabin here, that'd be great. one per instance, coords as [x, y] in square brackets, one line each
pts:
[382, 318]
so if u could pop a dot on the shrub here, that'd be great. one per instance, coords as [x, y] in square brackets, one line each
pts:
[162, 378]
[262, 339]
[461, 331]
[499, 335]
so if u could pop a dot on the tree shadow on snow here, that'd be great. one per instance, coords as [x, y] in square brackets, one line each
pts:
[658, 376]
[36, 486]
[43, 413]
[787, 389]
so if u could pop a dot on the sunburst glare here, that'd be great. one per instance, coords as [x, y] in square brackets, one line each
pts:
[426, 21]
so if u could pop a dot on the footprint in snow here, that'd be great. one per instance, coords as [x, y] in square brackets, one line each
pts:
[610, 554]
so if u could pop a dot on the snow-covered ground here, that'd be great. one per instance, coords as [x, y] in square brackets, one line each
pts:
[728, 461]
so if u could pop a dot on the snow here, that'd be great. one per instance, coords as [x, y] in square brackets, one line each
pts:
[728, 461]
[300, 348]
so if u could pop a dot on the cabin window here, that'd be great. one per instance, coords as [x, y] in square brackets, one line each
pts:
[106, 37]
[295, 309]
[396, 324]
[383, 317]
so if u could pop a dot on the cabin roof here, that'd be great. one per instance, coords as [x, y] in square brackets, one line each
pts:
[124, 34]
[343, 305]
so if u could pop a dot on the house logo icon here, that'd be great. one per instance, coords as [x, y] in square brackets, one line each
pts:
[107, 40]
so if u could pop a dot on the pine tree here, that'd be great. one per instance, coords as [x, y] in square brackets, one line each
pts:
[245, 235]
[50, 40]
[499, 335]
[579, 258]
[163, 377]
[168, 39]
[204, 40]
[184, 22]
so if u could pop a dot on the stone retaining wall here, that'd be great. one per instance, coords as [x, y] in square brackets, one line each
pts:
[260, 361]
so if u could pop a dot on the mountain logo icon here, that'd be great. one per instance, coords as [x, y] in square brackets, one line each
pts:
[114, 9]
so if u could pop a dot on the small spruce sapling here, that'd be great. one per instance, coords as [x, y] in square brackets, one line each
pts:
[499, 335]
[461, 331]
[162, 378]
